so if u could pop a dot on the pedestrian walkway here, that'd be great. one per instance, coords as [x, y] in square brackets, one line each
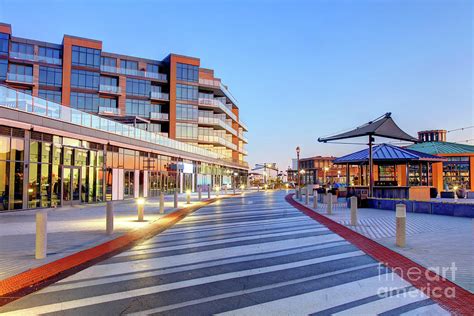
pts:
[70, 229]
[249, 255]
[432, 240]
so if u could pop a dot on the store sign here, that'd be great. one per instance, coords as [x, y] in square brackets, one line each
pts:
[185, 167]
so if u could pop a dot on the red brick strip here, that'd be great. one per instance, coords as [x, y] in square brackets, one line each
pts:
[35, 279]
[430, 283]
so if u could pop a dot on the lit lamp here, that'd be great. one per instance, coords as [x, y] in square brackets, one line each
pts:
[265, 186]
[141, 209]
[455, 188]
[326, 169]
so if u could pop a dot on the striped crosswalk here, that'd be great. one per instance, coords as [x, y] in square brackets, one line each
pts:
[251, 255]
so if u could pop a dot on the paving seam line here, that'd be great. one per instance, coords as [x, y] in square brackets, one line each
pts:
[30, 281]
[461, 304]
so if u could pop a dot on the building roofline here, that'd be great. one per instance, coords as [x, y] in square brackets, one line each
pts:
[82, 38]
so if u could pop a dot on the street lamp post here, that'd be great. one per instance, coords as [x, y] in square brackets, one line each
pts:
[298, 169]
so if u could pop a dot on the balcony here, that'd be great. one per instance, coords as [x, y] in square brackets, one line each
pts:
[11, 77]
[159, 116]
[214, 139]
[49, 60]
[155, 95]
[134, 72]
[22, 56]
[243, 138]
[109, 89]
[219, 85]
[163, 134]
[214, 121]
[45, 59]
[104, 110]
[216, 103]
[244, 126]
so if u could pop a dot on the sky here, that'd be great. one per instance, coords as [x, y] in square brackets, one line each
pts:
[299, 69]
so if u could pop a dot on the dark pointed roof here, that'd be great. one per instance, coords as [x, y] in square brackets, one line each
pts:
[383, 126]
[387, 153]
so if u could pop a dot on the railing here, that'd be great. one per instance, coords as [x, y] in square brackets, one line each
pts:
[220, 85]
[244, 126]
[23, 56]
[19, 78]
[217, 103]
[109, 110]
[242, 137]
[109, 89]
[159, 116]
[163, 134]
[216, 140]
[23, 102]
[134, 72]
[159, 96]
[216, 121]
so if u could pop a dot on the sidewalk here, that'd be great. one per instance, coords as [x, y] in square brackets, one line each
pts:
[72, 229]
[432, 240]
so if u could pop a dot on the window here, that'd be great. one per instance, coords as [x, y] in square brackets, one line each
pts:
[50, 76]
[138, 87]
[11, 172]
[109, 81]
[186, 131]
[85, 101]
[108, 102]
[21, 70]
[155, 128]
[22, 48]
[186, 72]
[4, 43]
[47, 53]
[456, 172]
[152, 68]
[84, 79]
[54, 96]
[140, 107]
[186, 112]
[3, 69]
[185, 92]
[387, 173]
[108, 61]
[129, 64]
[83, 56]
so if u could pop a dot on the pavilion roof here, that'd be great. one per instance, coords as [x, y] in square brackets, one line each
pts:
[435, 148]
[387, 153]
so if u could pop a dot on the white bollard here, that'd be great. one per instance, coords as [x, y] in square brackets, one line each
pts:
[353, 210]
[401, 221]
[109, 218]
[141, 209]
[175, 198]
[315, 199]
[162, 202]
[188, 197]
[199, 193]
[329, 210]
[307, 195]
[41, 234]
[234, 189]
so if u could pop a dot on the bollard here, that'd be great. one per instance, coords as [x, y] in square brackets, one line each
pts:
[175, 198]
[401, 221]
[329, 210]
[353, 210]
[188, 197]
[234, 189]
[109, 218]
[162, 202]
[41, 234]
[258, 188]
[141, 209]
[315, 199]
[307, 195]
[225, 189]
[300, 194]
[199, 193]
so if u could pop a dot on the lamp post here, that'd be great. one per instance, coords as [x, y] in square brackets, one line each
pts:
[298, 169]
[326, 169]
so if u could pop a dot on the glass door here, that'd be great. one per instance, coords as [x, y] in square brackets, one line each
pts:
[71, 185]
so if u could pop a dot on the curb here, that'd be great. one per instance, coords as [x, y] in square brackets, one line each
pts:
[30, 281]
[430, 283]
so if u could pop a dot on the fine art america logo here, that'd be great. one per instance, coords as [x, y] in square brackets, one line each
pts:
[414, 274]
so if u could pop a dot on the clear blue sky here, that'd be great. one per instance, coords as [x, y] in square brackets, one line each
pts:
[300, 69]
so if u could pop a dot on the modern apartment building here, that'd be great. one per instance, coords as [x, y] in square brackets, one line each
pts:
[128, 127]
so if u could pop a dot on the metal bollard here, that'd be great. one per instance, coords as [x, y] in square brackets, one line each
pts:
[141, 209]
[300, 195]
[175, 198]
[208, 191]
[162, 202]
[307, 195]
[41, 234]
[329, 210]
[188, 197]
[401, 221]
[199, 193]
[109, 218]
[315, 199]
[353, 210]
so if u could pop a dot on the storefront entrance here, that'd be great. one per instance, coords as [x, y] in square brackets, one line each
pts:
[72, 185]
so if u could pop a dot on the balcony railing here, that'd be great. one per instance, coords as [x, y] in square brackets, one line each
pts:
[48, 60]
[243, 138]
[108, 110]
[217, 104]
[134, 72]
[22, 56]
[220, 85]
[159, 116]
[19, 78]
[214, 139]
[218, 122]
[109, 89]
[159, 96]
[163, 134]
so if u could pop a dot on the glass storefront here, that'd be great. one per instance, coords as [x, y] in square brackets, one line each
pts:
[456, 173]
[11, 169]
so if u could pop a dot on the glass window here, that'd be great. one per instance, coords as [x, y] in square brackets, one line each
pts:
[129, 64]
[456, 172]
[22, 48]
[186, 92]
[84, 79]
[108, 61]
[4, 43]
[186, 72]
[21, 69]
[186, 131]
[109, 81]
[138, 87]
[186, 112]
[50, 76]
[50, 95]
[140, 107]
[108, 102]
[3, 69]
[152, 68]
[85, 101]
[83, 56]
[49, 53]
